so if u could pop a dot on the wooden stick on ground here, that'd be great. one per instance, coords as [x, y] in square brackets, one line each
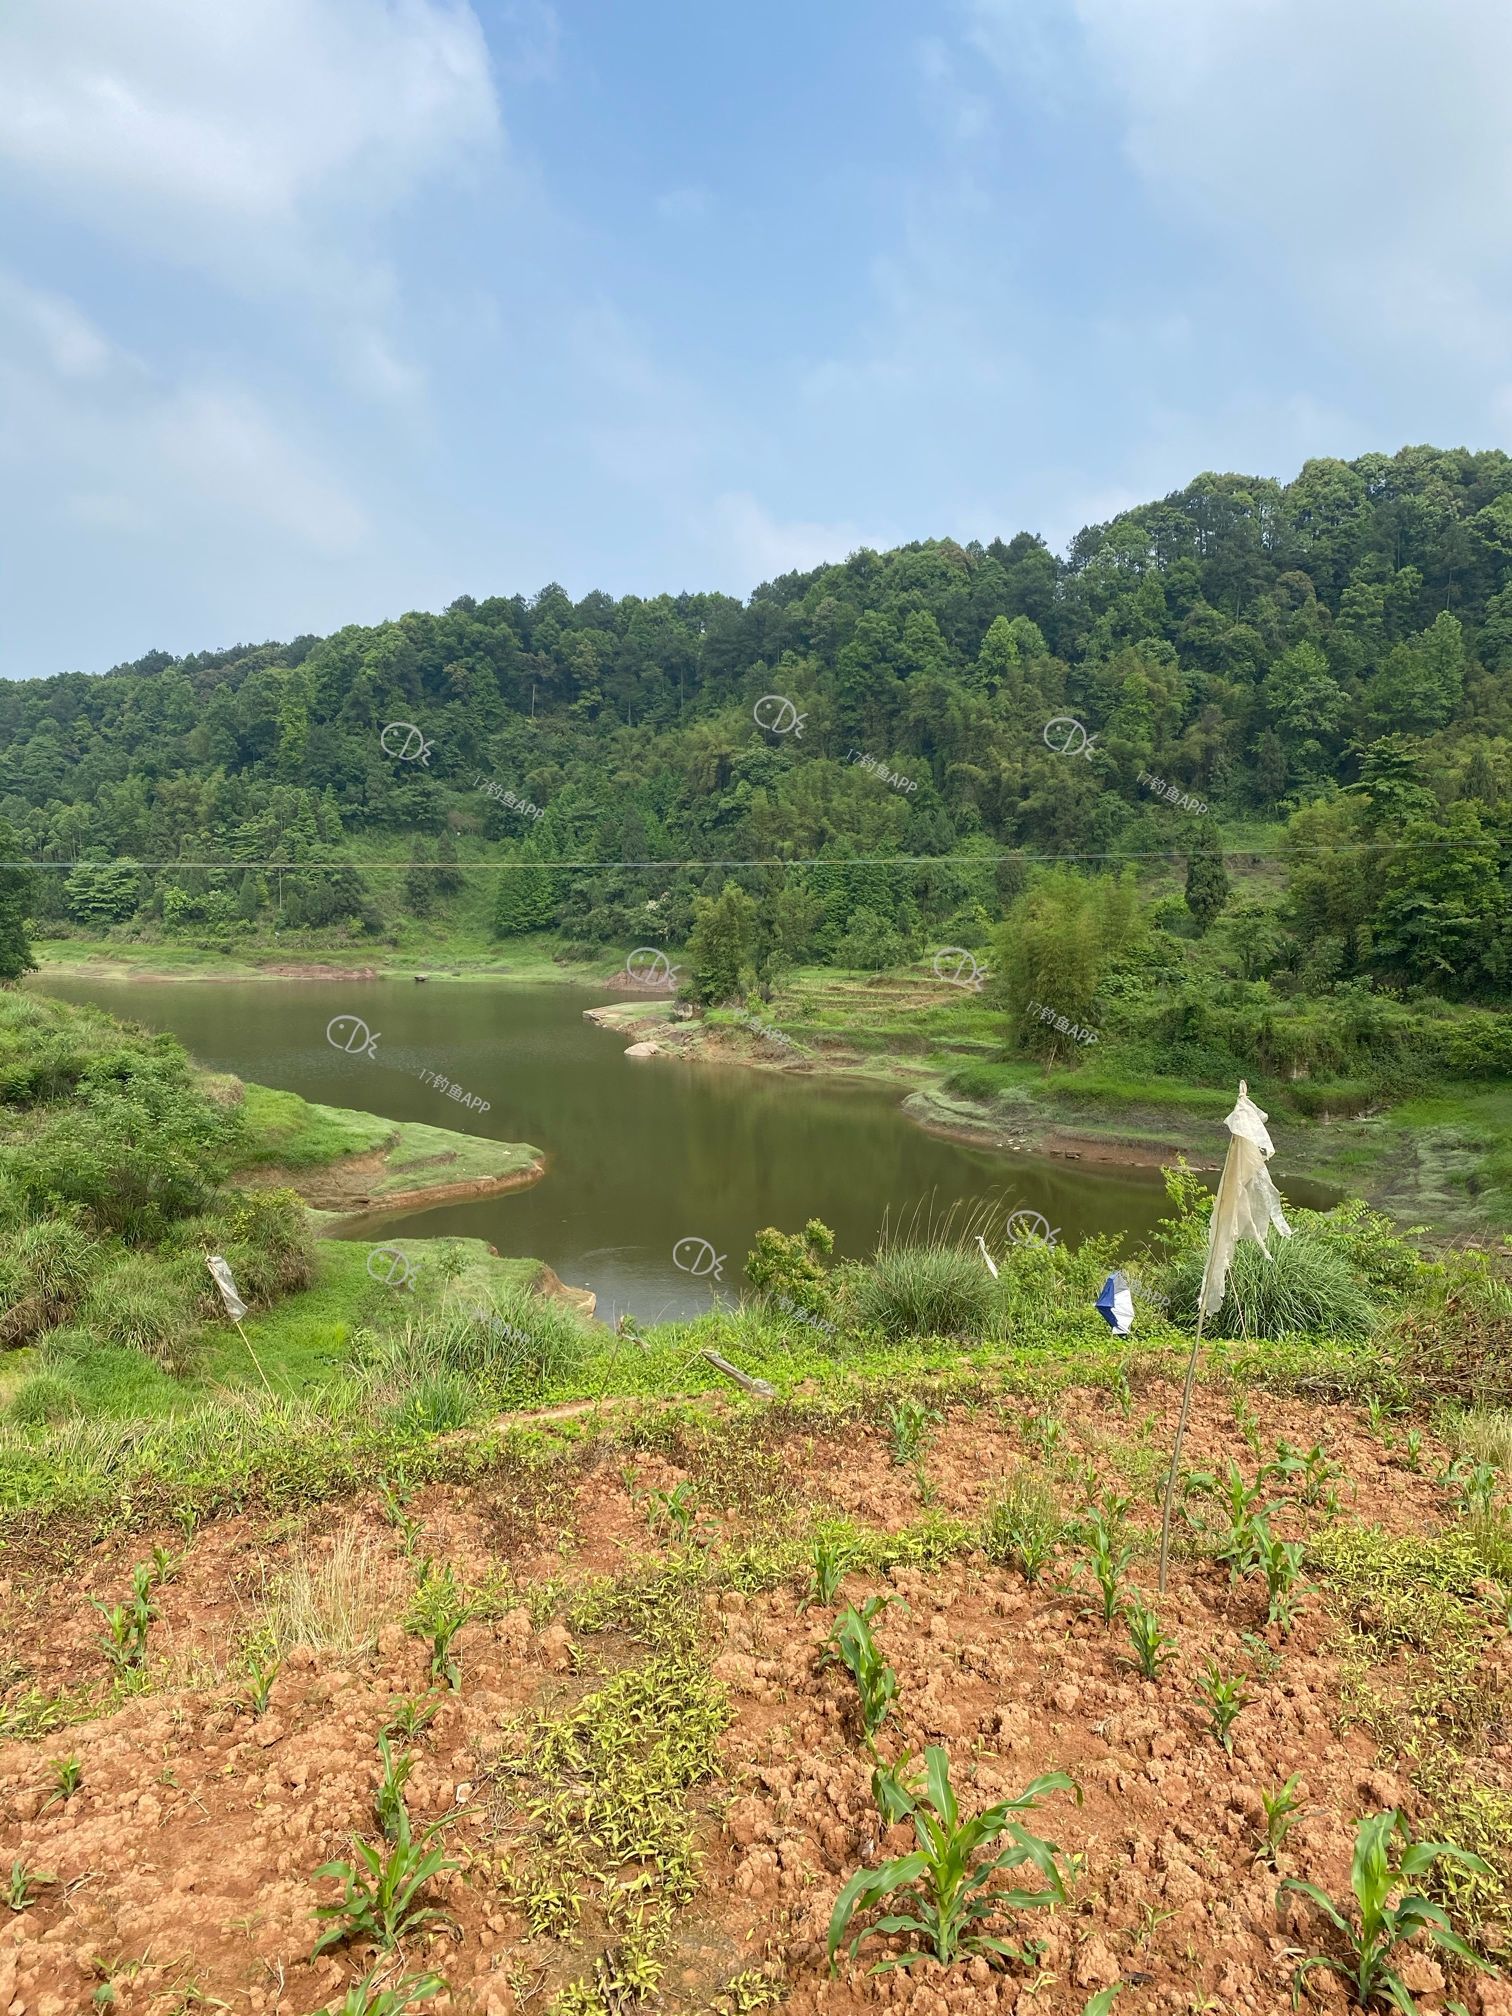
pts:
[757, 1386]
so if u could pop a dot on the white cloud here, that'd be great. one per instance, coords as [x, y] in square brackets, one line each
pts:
[261, 145]
[749, 545]
[91, 426]
[1357, 153]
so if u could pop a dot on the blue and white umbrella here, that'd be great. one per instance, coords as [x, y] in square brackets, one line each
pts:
[1116, 1305]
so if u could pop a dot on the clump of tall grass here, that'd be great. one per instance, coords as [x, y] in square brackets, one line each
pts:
[44, 1398]
[1305, 1286]
[45, 1267]
[333, 1601]
[515, 1348]
[264, 1237]
[927, 1277]
[140, 1301]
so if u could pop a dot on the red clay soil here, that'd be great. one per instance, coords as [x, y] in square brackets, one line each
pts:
[183, 1861]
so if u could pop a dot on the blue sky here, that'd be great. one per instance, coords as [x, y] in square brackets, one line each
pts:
[314, 311]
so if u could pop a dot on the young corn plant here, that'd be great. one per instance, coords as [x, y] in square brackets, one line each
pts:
[68, 1776]
[380, 1899]
[856, 1648]
[1280, 1562]
[1152, 1648]
[388, 1801]
[829, 1564]
[23, 1885]
[370, 1997]
[908, 1422]
[126, 1624]
[437, 1613]
[261, 1674]
[410, 1718]
[1224, 1698]
[408, 1528]
[1281, 1808]
[1109, 1563]
[1236, 1548]
[676, 1510]
[939, 1894]
[1382, 1926]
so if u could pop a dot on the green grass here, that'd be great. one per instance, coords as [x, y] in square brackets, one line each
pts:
[293, 1133]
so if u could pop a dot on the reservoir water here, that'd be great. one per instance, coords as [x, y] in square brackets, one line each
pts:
[644, 1159]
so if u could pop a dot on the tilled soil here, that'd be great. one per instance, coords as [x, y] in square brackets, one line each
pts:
[179, 1872]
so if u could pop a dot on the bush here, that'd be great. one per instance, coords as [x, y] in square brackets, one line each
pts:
[264, 1237]
[151, 1306]
[925, 1291]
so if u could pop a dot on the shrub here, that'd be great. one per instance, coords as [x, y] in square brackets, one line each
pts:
[264, 1237]
[925, 1291]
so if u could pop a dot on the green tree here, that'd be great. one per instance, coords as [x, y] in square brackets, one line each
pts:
[17, 894]
[103, 892]
[1207, 882]
[722, 947]
[420, 882]
[1052, 949]
[447, 876]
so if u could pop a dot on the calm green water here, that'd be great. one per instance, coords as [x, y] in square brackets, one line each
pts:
[641, 1156]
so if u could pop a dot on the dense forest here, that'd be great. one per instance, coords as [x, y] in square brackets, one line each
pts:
[1329, 660]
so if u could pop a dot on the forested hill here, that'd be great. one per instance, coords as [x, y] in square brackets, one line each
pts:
[1335, 652]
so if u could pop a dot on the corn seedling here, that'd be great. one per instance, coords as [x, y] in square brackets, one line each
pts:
[368, 1997]
[1412, 1449]
[908, 1422]
[388, 1802]
[1280, 1562]
[1152, 1648]
[1281, 1809]
[1236, 1549]
[408, 1528]
[942, 1887]
[23, 1885]
[876, 1682]
[410, 1719]
[1473, 1484]
[165, 1566]
[1247, 1421]
[829, 1565]
[1224, 1698]
[1371, 1942]
[68, 1775]
[126, 1624]
[1102, 2002]
[260, 1677]
[1047, 1431]
[437, 1613]
[676, 1509]
[1108, 1564]
[380, 1900]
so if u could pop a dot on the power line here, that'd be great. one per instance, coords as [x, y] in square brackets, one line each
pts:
[805, 861]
